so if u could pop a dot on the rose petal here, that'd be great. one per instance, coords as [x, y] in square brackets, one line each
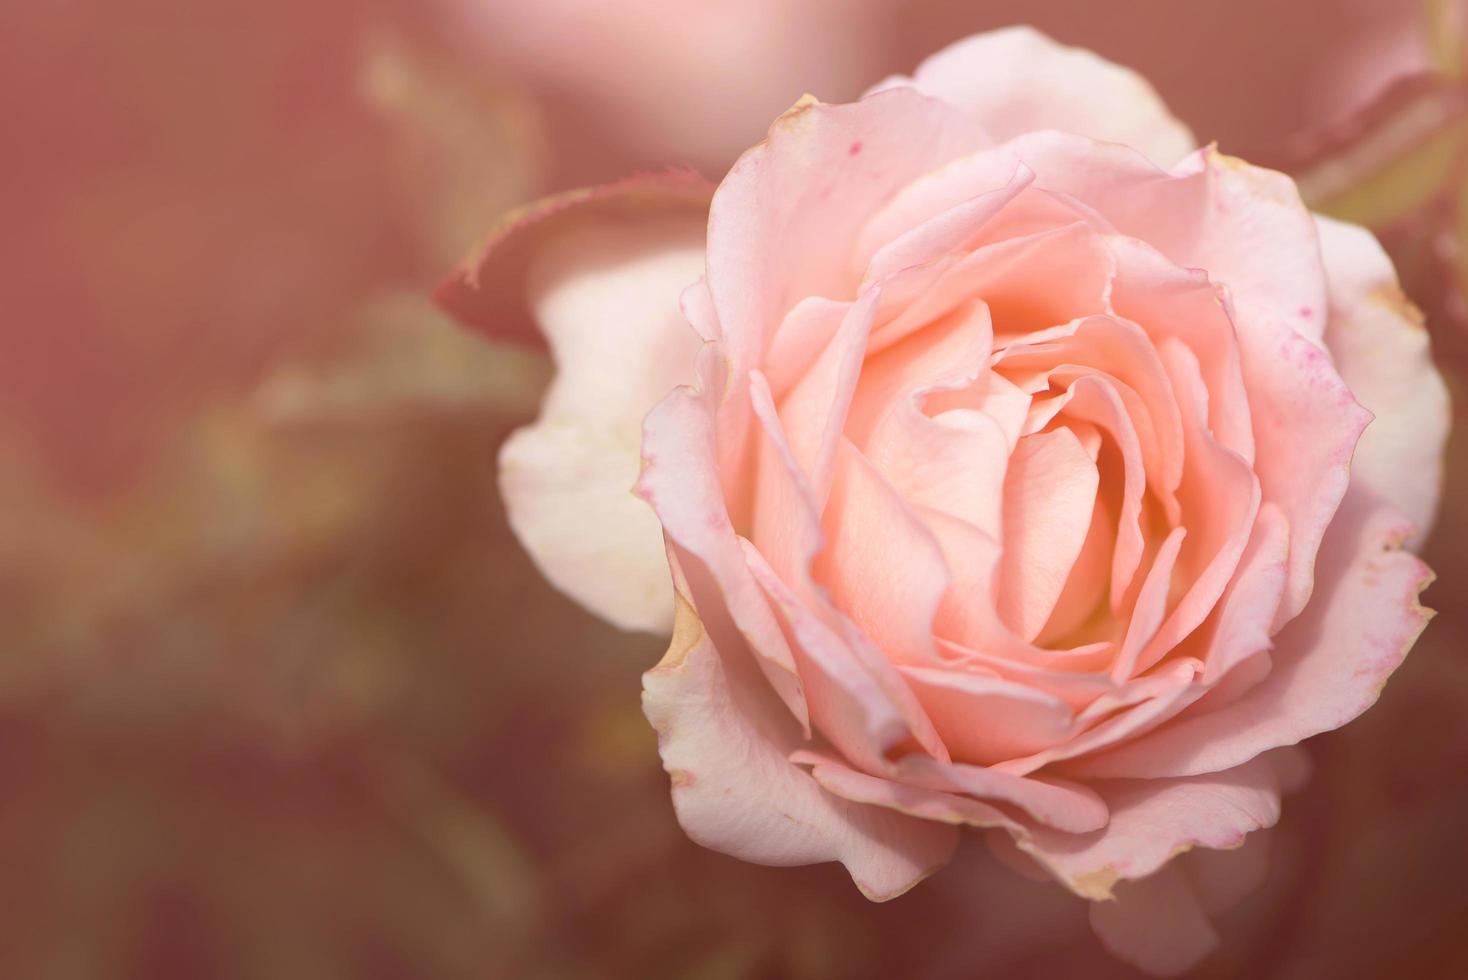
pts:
[1156, 924]
[1306, 426]
[680, 481]
[1169, 301]
[1153, 820]
[953, 462]
[984, 719]
[882, 566]
[814, 412]
[1240, 626]
[487, 291]
[1329, 664]
[968, 618]
[1063, 808]
[1382, 351]
[949, 231]
[1223, 879]
[1049, 494]
[805, 332]
[784, 219]
[1028, 283]
[605, 294]
[725, 742]
[1018, 80]
[1261, 243]
[1246, 227]
[857, 699]
[927, 804]
[1148, 703]
[846, 705]
[1221, 500]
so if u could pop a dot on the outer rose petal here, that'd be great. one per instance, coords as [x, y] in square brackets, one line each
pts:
[605, 293]
[725, 741]
[783, 221]
[1154, 820]
[1382, 352]
[1330, 664]
[1223, 879]
[487, 290]
[1018, 80]
[1156, 924]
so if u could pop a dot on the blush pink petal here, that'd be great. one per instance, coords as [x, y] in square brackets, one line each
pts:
[1241, 626]
[1168, 301]
[1030, 282]
[856, 697]
[814, 412]
[1306, 424]
[945, 808]
[725, 741]
[942, 201]
[1245, 226]
[1223, 879]
[950, 355]
[946, 232]
[953, 462]
[1076, 687]
[1094, 399]
[800, 338]
[882, 566]
[846, 704]
[680, 481]
[1121, 350]
[1329, 665]
[1018, 80]
[1156, 924]
[1382, 352]
[1049, 494]
[1151, 606]
[1157, 698]
[1261, 243]
[487, 290]
[1154, 820]
[1086, 588]
[1221, 499]
[969, 620]
[784, 219]
[986, 719]
[969, 612]
[786, 527]
[604, 292]
[698, 309]
[1061, 807]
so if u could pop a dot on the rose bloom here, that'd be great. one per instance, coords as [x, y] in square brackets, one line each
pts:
[1024, 468]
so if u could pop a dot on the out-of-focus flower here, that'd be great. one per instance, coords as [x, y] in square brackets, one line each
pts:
[191, 192]
[985, 505]
[235, 441]
[655, 82]
[1399, 165]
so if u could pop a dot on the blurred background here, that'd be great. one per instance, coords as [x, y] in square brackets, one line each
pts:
[280, 696]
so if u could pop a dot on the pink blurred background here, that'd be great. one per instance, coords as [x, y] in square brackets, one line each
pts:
[281, 696]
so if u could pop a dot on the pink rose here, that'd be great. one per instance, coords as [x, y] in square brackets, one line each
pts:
[1024, 476]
